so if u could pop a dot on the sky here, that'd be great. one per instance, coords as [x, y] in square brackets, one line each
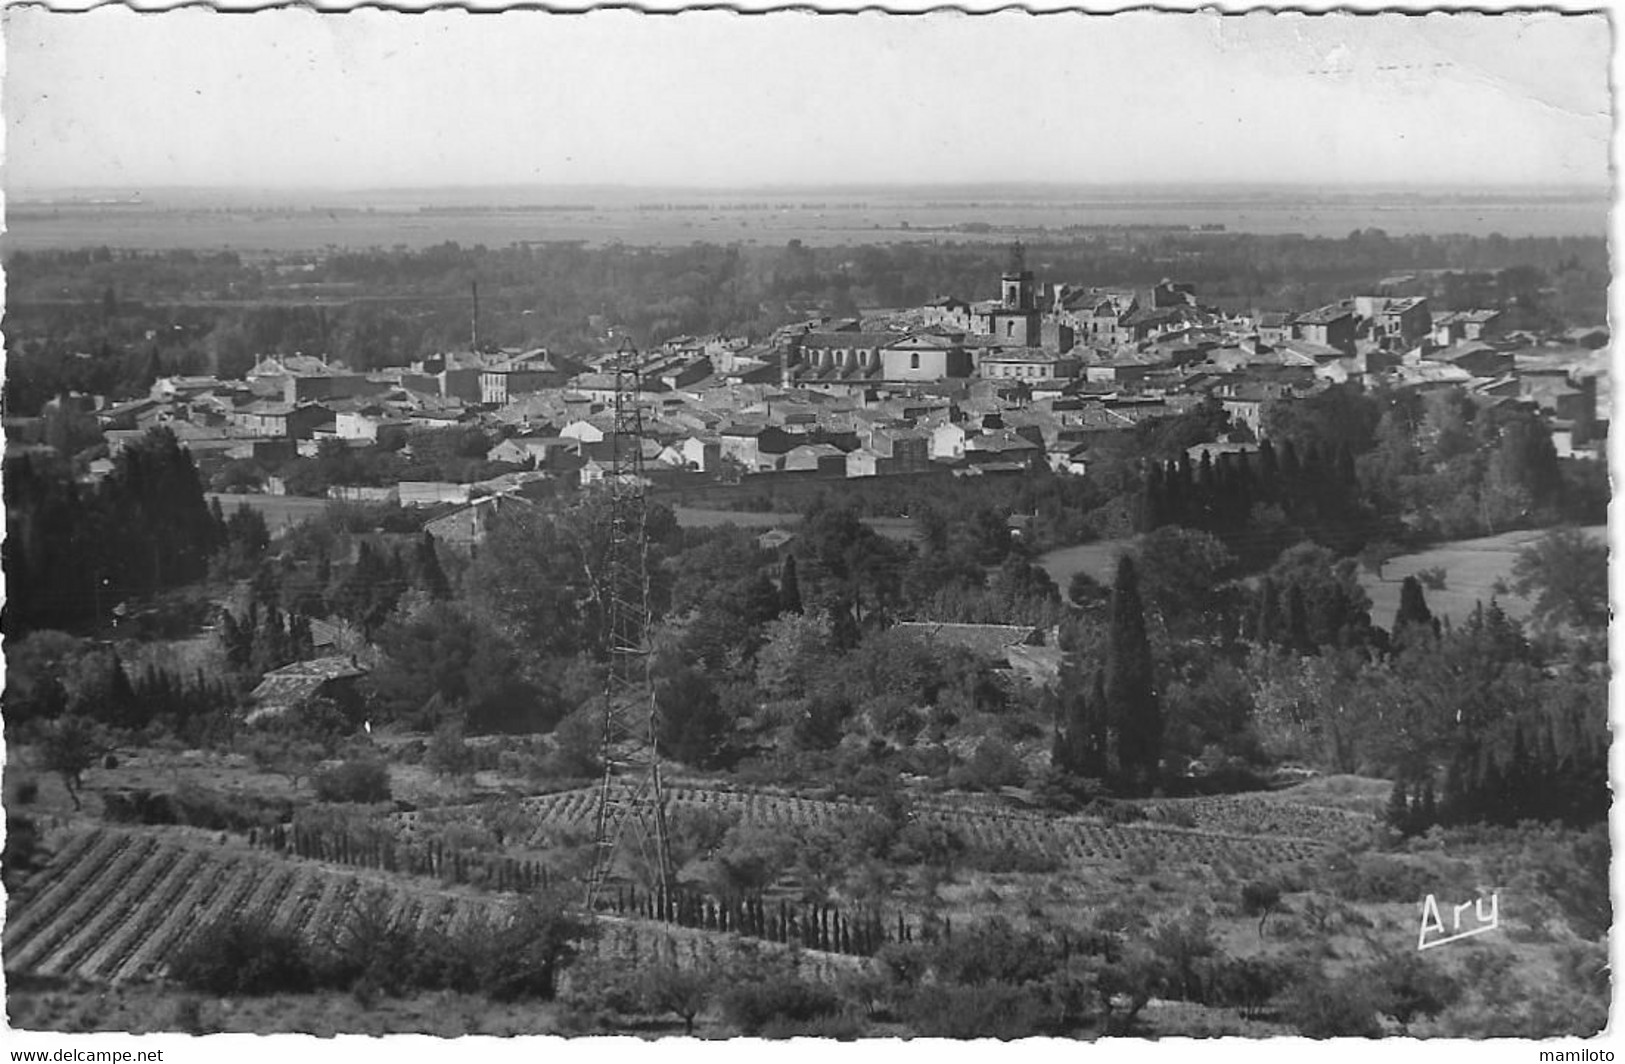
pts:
[116, 99]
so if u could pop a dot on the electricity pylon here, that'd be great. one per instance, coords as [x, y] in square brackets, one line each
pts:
[630, 836]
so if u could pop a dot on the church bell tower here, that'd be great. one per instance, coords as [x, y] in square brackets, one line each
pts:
[1018, 281]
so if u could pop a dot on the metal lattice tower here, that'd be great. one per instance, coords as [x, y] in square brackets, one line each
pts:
[630, 835]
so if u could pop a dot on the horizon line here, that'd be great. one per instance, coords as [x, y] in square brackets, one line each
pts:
[848, 186]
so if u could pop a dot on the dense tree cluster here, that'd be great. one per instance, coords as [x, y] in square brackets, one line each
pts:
[74, 552]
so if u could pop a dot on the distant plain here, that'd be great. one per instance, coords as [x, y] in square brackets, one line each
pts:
[281, 222]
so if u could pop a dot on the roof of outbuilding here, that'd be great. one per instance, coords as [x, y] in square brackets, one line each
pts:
[990, 640]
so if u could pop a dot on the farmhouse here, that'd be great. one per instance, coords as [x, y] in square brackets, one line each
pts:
[298, 684]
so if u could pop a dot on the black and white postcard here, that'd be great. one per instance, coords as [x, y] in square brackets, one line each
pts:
[702, 527]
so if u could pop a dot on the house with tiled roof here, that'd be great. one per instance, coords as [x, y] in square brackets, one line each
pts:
[1480, 360]
[906, 450]
[279, 419]
[815, 458]
[293, 686]
[1330, 326]
[755, 445]
[1004, 445]
[1451, 327]
[467, 526]
[1401, 321]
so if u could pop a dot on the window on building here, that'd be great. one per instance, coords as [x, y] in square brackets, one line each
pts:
[914, 360]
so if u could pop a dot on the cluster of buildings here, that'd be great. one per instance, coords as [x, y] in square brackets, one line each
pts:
[1031, 378]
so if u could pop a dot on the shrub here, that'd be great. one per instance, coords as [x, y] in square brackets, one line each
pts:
[837, 1028]
[682, 992]
[782, 1003]
[1407, 986]
[448, 754]
[748, 859]
[523, 958]
[1346, 1007]
[1184, 943]
[195, 806]
[1178, 816]
[23, 854]
[928, 843]
[601, 985]
[362, 781]
[1115, 811]
[995, 764]
[995, 952]
[1247, 984]
[370, 950]
[238, 956]
[1063, 791]
[1433, 579]
[1385, 879]
[997, 1011]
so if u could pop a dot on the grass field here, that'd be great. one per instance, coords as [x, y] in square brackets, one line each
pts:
[899, 528]
[689, 517]
[1471, 566]
[280, 511]
[1098, 559]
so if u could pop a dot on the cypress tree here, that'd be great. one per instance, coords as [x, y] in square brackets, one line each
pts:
[1101, 756]
[1491, 798]
[1207, 491]
[1519, 777]
[1397, 815]
[1548, 783]
[1413, 614]
[1063, 755]
[123, 706]
[1290, 467]
[760, 602]
[1297, 622]
[1267, 629]
[1455, 792]
[1184, 504]
[1153, 500]
[1269, 470]
[1130, 684]
[789, 586]
[430, 576]
[1175, 496]
[217, 516]
[1079, 746]
[1345, 466]
[231, 639]
[301, 642]
[1314, 464]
